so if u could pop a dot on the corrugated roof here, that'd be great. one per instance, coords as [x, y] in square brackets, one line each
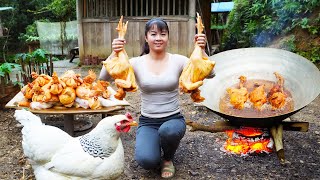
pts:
[222, 7]
[5, 8]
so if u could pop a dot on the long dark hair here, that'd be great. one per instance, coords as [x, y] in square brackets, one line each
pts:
[161, 25]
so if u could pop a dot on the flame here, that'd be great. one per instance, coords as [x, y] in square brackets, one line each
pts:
[247, 141]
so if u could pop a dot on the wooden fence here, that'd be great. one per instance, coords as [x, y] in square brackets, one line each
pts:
[98, 20]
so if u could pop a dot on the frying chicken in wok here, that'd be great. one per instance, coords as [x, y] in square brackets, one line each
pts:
[257, 97]
[238, 96]
[277, 96]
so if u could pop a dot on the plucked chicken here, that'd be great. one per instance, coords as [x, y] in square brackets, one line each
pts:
[41, 79]
[27, 91]
[85, 90]
[277, 96]
[53, 154]
[258, 96]
[94, 103]
[119, 67]
[71, 79]
[102, 86]
[67, 96]
[56, 85]
[198, 68]
[41, 94]
[238, 96]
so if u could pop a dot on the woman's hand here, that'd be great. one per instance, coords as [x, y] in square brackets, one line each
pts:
[118, 44]
[200, 39]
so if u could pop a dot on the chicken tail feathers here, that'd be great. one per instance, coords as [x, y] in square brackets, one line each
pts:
[27, 118]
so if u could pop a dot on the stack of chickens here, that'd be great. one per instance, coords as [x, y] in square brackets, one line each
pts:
[119, 67]
[197, 69]
[53, 154]
[69, 90]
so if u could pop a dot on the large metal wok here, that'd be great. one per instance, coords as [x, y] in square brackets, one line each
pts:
[302, 78]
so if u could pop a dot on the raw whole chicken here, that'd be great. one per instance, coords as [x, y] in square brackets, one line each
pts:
[94, 103]
[41, 94]
[258, 96]
[41, 79]
[85, 90]
[102, 86]
[238, 96]
[67, 96]
[71, 79]
[197, 69]
[119, 67]
[277, 96]
[27, 91]
[55, 155]
[56, 85]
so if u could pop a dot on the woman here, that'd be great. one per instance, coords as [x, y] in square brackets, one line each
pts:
[161, 125]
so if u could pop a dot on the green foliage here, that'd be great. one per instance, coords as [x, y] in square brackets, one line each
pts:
[25, 13]
[31, 33]
[63, 9]
[313, 55]
[289, 44]
[37, 56]
[6, 68]
[258, 22]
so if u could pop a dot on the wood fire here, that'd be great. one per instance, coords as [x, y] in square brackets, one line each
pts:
[247, 140]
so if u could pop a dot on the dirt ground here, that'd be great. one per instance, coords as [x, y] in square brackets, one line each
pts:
[199, 155]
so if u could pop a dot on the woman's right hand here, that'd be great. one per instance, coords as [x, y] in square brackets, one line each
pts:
[118, 44]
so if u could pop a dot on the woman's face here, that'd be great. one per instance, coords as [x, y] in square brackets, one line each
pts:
[157, 40]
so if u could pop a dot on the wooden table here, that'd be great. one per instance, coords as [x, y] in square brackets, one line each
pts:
[68, 113]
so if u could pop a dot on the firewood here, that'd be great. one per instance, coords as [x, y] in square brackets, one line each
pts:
[219, 126]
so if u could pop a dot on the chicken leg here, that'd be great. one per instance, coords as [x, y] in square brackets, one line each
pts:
[276, 96]
[119, 67]
[197, 69]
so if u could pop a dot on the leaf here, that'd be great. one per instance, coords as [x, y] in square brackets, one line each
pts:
[39, 55]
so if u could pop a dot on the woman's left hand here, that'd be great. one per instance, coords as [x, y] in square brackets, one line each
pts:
[200, 39]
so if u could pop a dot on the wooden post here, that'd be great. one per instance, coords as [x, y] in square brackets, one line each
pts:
[276, 132]
[191, 26]
[205, 7]
[80, 13]
[69, 124]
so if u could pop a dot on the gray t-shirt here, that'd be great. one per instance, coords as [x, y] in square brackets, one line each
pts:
[159, 93]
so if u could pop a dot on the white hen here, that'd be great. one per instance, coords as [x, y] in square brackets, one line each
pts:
[54, 154]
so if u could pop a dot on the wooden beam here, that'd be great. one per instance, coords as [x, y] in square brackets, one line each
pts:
[221, 126]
